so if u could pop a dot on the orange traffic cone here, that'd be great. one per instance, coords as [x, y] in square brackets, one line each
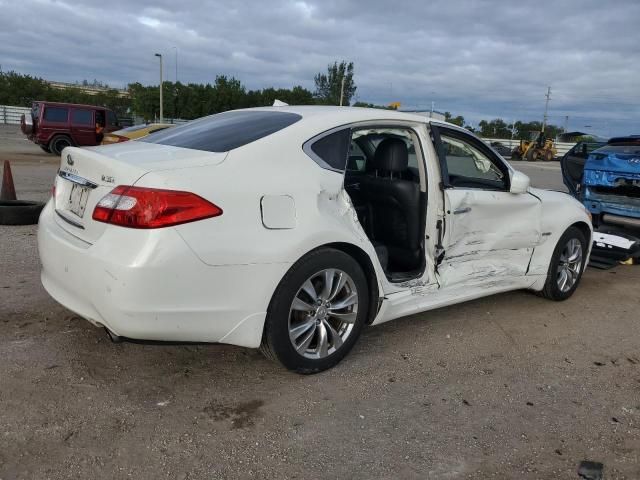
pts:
[8, 191]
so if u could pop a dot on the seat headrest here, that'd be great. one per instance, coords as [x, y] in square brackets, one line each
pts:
[391, 155]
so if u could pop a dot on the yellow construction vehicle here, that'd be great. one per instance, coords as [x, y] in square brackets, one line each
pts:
[538, 148]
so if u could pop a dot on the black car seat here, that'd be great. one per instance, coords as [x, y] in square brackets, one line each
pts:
[394, 205]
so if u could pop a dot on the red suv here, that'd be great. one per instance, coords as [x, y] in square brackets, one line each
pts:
[55, 126]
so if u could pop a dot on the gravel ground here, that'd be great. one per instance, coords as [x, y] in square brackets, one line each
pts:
[510, 386]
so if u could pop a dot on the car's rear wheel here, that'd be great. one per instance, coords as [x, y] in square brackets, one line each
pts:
[317, 312]
[59, 143]
[566, 266]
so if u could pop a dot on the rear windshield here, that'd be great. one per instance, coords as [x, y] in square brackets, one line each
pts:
[224, 131]
[617, 149]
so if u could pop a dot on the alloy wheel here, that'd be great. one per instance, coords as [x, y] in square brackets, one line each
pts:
[570, 263]
[323, 313]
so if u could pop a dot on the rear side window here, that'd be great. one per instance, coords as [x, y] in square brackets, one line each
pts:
[111, 117]
[224, 131]
[81, 117]
[331, 151]
[56, 114]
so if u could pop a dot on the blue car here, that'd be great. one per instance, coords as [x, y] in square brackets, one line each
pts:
[607, 182]
[606, 179]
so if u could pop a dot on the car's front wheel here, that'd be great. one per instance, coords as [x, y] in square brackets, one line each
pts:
[566, 266]
[317, 312]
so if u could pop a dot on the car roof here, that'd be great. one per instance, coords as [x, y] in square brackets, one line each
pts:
[335, 115]
[628, 140]
[62, 104]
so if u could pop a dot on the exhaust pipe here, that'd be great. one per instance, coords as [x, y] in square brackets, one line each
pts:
[624, 221]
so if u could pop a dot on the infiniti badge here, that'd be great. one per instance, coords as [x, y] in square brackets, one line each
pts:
[69, 160]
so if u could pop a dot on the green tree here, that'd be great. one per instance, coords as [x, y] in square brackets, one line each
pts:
[496, 128]
[459, 120]
[22, 90]
[371, 105]
[329, 85]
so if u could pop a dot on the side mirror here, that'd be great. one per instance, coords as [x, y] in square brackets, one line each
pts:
[519, 182]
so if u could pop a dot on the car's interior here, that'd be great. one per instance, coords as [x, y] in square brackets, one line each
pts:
[386, 182]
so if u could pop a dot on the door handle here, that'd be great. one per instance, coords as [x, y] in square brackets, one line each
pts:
[462, 210]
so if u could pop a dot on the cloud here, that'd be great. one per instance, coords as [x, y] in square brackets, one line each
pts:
[481, 59]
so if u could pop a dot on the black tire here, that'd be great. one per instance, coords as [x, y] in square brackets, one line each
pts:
[45, 148]
[515, 154]
[276, 344]
[59, 143]
[532, 155]
[19, 212]
[548, 156]
[551, 288]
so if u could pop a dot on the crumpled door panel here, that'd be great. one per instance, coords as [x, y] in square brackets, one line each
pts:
[488, 235]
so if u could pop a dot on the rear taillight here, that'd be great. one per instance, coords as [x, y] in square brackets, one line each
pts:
[140, 207]
[120, 139]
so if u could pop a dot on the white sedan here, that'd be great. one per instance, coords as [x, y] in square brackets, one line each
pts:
[291, 228]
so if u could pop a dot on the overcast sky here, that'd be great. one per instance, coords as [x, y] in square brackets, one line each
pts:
[480, 59]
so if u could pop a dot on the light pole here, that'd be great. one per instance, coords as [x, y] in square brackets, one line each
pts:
[161, 116]
[175, 89]
[176, 49]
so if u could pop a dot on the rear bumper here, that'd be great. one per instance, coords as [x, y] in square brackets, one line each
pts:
[149, 285]
[618, 205]
[613, 193]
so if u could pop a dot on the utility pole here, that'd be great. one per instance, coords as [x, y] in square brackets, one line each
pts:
[513, 131]
[432, 106]
[546, 108]
[176, 49]
[161, 112]
[342, 89]
[566, 123]
[175, 89]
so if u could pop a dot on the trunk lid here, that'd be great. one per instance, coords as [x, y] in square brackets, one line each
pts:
[88, 174]
[615, 162]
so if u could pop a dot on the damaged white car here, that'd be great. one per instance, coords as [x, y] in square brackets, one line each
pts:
[291, 228]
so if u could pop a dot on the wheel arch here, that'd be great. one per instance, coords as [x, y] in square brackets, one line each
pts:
[366, 264]
[585, 229]
[543, 253]
[56, 136]
[364, 260]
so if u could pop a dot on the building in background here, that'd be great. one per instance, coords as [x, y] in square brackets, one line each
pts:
[89, 88]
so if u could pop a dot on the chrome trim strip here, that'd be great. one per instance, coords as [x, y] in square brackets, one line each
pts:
[77, 179]
[68, 220]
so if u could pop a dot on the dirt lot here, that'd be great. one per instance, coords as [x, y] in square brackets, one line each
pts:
[511, 386]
